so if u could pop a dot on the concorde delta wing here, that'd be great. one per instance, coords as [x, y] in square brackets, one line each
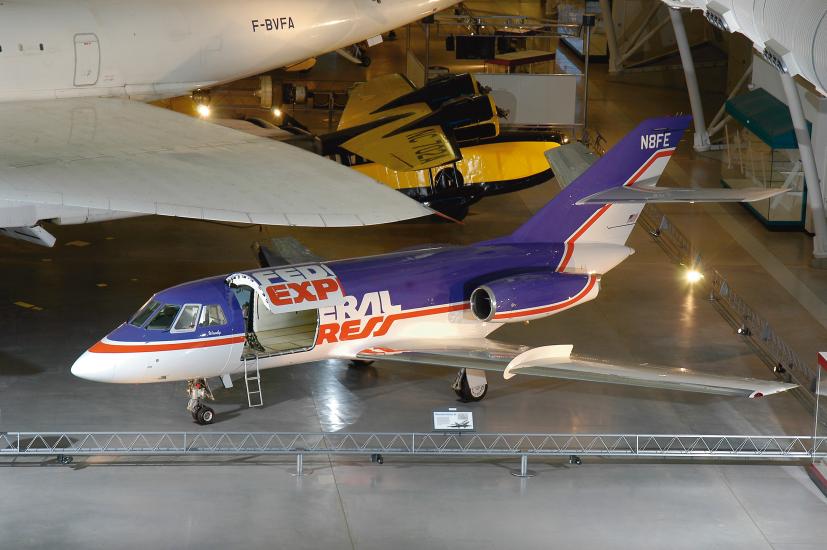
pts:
[557, 362]
[119, 155]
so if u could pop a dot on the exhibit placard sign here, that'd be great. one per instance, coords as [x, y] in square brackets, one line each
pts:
[453, 420]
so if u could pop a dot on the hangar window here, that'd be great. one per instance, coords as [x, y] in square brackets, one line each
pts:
[187, 319]
[144, 313]
[213, 316]
[164, 318]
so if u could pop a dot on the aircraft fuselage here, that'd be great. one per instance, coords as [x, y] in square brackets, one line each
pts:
[337, 309]
[162, 48]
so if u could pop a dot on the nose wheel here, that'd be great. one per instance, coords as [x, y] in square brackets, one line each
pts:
[199, 391]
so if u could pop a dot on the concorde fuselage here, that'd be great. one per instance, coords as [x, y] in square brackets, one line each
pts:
[151, 49]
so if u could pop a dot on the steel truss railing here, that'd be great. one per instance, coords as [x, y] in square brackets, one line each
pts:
[20, 444]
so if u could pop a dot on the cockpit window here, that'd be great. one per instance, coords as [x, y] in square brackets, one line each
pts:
[212, 316]
[164, 318]
[187, 319]
[143, 314]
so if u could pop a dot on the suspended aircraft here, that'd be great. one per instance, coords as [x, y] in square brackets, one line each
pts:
[432, 306]
[440, 144]
[79, 145]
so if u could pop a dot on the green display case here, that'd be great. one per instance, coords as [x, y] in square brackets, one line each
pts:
[762, 152]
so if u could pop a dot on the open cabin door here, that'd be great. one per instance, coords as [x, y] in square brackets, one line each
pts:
[282, 310]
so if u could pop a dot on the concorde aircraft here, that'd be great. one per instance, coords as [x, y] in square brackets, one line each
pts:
[78, 145]
[432, 306]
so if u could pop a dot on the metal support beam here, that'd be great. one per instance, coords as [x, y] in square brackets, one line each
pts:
[588, 23]
[816, 201]
[637, 45]
[631, 40]
[611, 35]
[701, 136]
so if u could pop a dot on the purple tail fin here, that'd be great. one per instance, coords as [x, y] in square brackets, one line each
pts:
[639, 158]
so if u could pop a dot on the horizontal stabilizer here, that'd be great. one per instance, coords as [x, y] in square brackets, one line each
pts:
[644, 194]
[281, 251]
[569, 161]
[556, 362]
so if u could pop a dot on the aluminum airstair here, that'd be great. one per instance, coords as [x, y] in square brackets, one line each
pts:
[252, 381]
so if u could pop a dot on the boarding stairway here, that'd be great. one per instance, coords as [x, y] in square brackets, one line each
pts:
[252, 380]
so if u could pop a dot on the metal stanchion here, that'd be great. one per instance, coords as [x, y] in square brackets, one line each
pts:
[523, 471]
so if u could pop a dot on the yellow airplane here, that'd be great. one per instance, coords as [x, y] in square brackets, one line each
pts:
[440, 144]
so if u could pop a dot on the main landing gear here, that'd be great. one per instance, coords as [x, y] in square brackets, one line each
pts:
[470, 385]
[199, 390]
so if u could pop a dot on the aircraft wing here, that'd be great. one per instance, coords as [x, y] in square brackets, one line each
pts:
[569, 161]
[389, 122]
[557, 362]
[115, 154]
[369, 96]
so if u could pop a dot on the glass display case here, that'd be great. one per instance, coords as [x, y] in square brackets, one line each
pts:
[762, 152]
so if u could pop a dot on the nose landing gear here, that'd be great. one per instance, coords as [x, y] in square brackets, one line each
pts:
[199, 390]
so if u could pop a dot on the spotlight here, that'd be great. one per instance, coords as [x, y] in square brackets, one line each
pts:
[693, 276]
[203, 110]
[277, 112]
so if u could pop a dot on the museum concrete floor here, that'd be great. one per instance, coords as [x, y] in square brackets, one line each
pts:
[98, 274]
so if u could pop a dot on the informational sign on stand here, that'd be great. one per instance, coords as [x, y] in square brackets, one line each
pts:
[453, 420]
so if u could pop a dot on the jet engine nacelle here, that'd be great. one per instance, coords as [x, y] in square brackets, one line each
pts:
[530, 296]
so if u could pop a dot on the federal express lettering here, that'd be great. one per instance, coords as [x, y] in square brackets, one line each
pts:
[353, 319]
[274, 24]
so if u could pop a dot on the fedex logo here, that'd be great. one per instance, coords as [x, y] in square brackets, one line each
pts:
[655, 141]
[353, 319]
[303, 287]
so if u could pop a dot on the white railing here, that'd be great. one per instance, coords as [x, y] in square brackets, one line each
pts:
[19, 444]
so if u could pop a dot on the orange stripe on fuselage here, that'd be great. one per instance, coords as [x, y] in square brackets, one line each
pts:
[553, 307]
[105, 347]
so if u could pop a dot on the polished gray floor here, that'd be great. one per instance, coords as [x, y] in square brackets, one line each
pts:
[97, 275]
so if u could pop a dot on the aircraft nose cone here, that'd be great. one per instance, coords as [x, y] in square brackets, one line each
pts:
[93, 366]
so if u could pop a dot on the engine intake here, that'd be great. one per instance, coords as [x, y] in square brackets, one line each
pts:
[531, 296]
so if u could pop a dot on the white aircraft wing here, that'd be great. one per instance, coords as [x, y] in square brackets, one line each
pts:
[557, 362]
[115, 154]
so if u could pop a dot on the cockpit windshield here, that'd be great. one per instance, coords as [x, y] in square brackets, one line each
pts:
[144, 313]
[164, 318]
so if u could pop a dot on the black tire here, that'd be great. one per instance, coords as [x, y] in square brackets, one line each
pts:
[195, 412]
[449, 179]
[366, 61]
[205, 416]
[466, 395]
[359, 363]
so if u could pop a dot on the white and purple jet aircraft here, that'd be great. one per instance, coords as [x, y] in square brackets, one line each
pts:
[431, 306]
